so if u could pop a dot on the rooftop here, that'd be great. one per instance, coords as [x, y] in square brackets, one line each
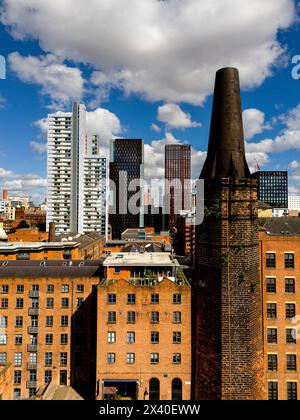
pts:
[283, 226]
[82, 240]
[131, 259]
[34, 246]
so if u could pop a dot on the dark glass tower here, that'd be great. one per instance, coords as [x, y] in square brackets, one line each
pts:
[273, 188]
[127, 164]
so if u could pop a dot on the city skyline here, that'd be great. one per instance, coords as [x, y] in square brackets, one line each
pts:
[129, 97]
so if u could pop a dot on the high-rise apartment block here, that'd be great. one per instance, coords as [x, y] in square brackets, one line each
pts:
[178, 194]
[76, 175]
[273, 188]
[126, 176]
[294, 202]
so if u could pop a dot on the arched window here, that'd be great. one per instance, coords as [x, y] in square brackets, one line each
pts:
[177, 389]
[154, 390]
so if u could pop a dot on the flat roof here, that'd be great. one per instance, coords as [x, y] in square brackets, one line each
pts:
[125, 259]
[34, 246]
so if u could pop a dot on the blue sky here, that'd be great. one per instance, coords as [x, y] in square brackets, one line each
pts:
[146, 69]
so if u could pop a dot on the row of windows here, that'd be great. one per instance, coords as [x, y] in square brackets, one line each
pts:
[290, 285]
[131, 298]
[290, 310]
[63, 360]
[65, 288]
[154, 317]
[292, 391]
[64, 321]
[48, 339]
[289, 260]
[35, 303]
[291, 362]
[291, 336]
[131, 337]
[154, 358]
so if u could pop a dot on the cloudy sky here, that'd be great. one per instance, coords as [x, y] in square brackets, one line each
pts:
[146, 68]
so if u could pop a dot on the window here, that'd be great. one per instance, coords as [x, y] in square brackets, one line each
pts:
[177, 389]
[272, 362]
[65, 303]
[63, 359]
[17, 393]
[3, 303]
[271, 310]
[48, 358]
[112, 299]
[112, 317]
[176, 358]
[290, 286]
[50, 303]
[3, 339]
[18, 339]
[176, 317]
[291, 336]
[130, 317]
[34, 321]
[34, 303]
[273, 391]
[271, 285]
[177, 298]
[289, 260]
[49, 339]
[65, 288]
[50, 288]
[18, 359]
[117, 270]
[272, 335]
[64, 321]
[19, 303]
[64, 339]
[35, 288]
[291, 362]
[176, 337]
[19, 321]
[80, 288]
[79, 302]
[48, 376]
[154, 358]
[292, 394]
[49, 321]
[17, 377]
[131, 299]
[20, 288]
[3, 321]
[111, 337]
[154, 337]
[111, 358]
[32, 392]
[154, 389]
[155, 298]
[3, 359]
[271, 260]
[4, 289]
[154, 317]
[290, 310]
[130, 337]
[130, 358]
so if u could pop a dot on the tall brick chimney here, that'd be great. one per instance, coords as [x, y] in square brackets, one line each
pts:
[5, 195]
[227, 296]
[52, 237]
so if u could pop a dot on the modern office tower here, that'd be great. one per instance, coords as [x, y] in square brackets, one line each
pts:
[126, 166]
[178, 194]
[294, 202]
[228, 360]
[273, 188]
[76, 175]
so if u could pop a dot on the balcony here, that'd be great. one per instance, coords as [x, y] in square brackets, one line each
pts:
[33, 330]
[30, 384]
[34, 294]
[33, 311]
[32, 366]
[32, 348]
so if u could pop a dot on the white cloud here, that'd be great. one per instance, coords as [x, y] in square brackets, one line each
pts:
[2, 102]
[174, 117]
[254, 122]
[294, 165]
[39, 148]
[59, 82]
[156, 128]
[162, 50]
[257, 160]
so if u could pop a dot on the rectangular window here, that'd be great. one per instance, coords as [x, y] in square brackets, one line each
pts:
[292, 392]
[111, 337]
[155, 298]
[154, 337]
[63, 359]
[64, 321]
[291, 362]
[48, 376]
[48, 358]
[112, 299]
[176, 337]
[17, 393]
[272, 362]
[17, 377]
[290, 310]
[50, 303]
[65, 303]
[290, 286]
[80, 288]
[19, 321]
[18, 359]
[4, 289]
[271, 260]
[49, 339]
[111, 358]
[154, 358]
[176, 317]
[112, 317]
[176, 358]
[117, 270]
[271, 285]
[130, 317]
[130, 337]
[34, 303]
[49, 321]
[177, 298]
[18, 339]
[271, 310]
[3, 339]
[130, 358]
[63, 339]
[50, 288]
[3, 321]
[272, 335]
[273, 391]
[3, 359]
[154, 317]
[35, 288]
[3, 303]
[65, 288]
[291, 336]
[20, 288]
[79, 302]
[289, 261]
[131, 299]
